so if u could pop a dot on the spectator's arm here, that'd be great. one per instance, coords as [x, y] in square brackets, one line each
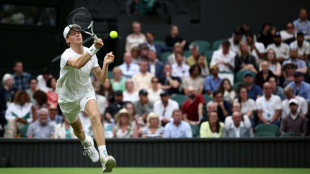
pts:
[260, 116]
[185, 118]
[30, 131]
[34, 113]
[304, 127]
[249, 113]
[166, 132]
[302, 70]
[200, 111]
[283, 127]
[278, 71]
[114, 132]
[276, 115]
[188, 133]
[251, 134]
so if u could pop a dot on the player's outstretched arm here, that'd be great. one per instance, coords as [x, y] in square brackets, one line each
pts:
[102, 75]
[81, 61]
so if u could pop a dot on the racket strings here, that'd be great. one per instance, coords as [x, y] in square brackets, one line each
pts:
[81, 17]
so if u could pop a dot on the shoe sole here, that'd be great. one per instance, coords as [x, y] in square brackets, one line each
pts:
[110, 164]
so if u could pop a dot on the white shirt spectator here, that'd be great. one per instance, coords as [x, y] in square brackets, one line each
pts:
[42, 84]
[228, 58]
[180, 71]
[165, 112]
[228, 122]
[268, 107]
[246, 106]
[133, 97]
[171, 59]
[142, 81]
[260, 47]
[133, 40]
[233, 47]
[305, 48]
[129, 70]
[154, 95]
[285, 35]
[302, 106]
[237, 130]
[281, 51]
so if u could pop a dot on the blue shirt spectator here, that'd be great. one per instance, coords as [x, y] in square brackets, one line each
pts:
[212, 82]
[298, 62]
[302, 24]
[254, 92]
[300, 87]
[21, 79]
[177, 128]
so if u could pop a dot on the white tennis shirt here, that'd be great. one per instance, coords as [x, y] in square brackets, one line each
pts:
[74, 83]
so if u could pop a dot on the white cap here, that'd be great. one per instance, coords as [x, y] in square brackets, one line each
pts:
[293, 101]
[67, 29]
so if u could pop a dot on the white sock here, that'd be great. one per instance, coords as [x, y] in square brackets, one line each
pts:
[84, 142]
[103, 150]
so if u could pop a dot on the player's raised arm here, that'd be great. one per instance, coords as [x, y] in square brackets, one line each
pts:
[79, 62]
[109, 58]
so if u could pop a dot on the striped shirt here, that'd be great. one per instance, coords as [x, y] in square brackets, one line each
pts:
[149, 134]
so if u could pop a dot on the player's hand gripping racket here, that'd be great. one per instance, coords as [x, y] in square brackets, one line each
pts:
[83, 18]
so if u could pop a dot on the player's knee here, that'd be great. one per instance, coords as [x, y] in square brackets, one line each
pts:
[95, 118]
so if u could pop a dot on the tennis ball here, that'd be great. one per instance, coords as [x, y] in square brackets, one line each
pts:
[113, 34]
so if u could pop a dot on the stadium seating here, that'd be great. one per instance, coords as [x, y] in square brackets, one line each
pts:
[187, 53]
[162, 43]
[208, 54]
[239, 76]
[23, 131]
[164, 56]
[180, 98]
[195, 131]
[203, 45]
[216, 44]
[264, 134]
[267, 128]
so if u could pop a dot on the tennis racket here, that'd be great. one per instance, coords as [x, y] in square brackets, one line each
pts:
[82, 17]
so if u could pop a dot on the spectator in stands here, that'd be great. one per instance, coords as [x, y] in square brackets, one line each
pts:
[268, 106]
[52, 96]
[302, 103]
[301, 64]
[275, 89]
[63, 130]
[106, 90]
[176, 49]
[130, 109]
[174, 37]
[42, 128]
[124, 126]
[212, 128]
[53, 115]
[302, 46]
[136, 38]
[114, 107]
[41, 102]
[212, 82]
[143, 51]
[257, 49]
[20, 78]
[274, 64]
[154, 91]
[7, 92]
[143, 106]
[224, 58]
[155, 46]
[194, 80]
[153, 128]
[254, 91]
[288, 34]
[155, 67]
[143, 78]
[300, 87]
[263, 75]
[234, 41]
[237, 129]
[177, 128]
[192, 108]
[247, 104]
[18, 114]
[201, 61]
[33, 83]
[294, 122]
[236, 106]
[193, 58]
[135, 54]
[130, 94]
[179, 68]
[226, 89]
[170, 83]
[118, 81]
[302, 24]
[265, 35]
[164, 107]
[42, 80]
[288, 69]
[281, 48]
[223, 106]
[244, 60]
[129, 68]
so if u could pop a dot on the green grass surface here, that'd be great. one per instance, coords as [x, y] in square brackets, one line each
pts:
[123, 170]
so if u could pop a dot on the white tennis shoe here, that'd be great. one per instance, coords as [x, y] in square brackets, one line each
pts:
[108, 163]
[90, 149]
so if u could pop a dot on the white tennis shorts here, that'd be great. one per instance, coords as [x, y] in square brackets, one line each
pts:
[71, 110]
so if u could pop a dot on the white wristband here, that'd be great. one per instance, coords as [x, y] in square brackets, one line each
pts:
[92, 50]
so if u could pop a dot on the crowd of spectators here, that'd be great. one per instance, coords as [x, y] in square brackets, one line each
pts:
[179, 96]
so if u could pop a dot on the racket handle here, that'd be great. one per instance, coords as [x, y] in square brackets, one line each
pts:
[95, 37]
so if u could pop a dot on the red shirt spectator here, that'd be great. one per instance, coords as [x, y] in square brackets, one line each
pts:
[190, 108]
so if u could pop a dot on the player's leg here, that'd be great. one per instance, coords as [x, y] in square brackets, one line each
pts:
[108, 162]
[71, 112]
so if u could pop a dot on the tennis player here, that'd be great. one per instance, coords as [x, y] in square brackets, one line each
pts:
[77, 94]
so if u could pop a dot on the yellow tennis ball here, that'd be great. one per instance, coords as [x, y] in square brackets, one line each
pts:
[113, 34]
